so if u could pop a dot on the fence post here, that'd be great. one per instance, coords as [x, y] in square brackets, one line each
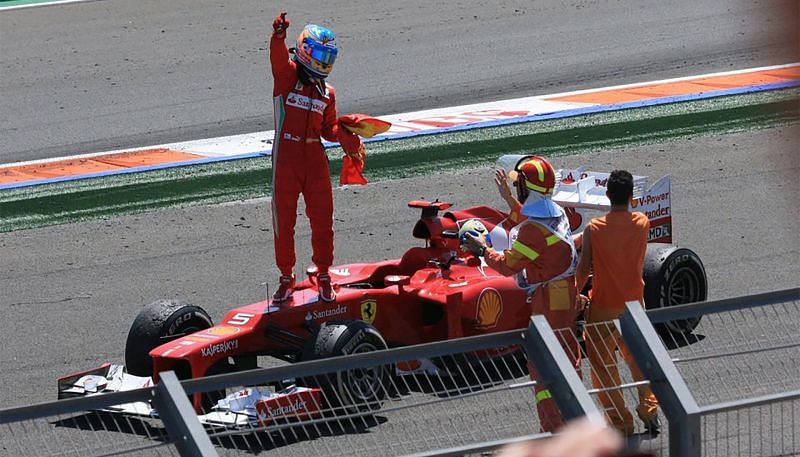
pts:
[180, 418]
[666, 382]
[555, 370]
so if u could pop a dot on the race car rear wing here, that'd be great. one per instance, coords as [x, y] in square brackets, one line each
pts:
[586, 190]
[582, 189]
[578, 188]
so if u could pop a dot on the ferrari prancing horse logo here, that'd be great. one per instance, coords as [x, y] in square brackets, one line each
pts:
[369, 308]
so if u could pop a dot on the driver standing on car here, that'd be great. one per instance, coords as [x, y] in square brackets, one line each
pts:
[305, 111]
[542, 255]
[614, 248]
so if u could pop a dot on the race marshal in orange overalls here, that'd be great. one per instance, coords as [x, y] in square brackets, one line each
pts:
[613, 250]
[543, 258]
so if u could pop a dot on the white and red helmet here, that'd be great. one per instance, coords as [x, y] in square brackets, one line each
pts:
[536, 180]
[536, 174]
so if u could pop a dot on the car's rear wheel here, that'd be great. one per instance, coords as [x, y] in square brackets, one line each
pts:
[674, 276]
[156, 324]
[348, 390]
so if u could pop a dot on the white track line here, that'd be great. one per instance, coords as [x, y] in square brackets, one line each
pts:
[248, 142]
[34, 5]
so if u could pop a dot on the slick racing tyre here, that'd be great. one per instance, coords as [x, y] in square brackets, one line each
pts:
[156, 324]
[352, 390]
[673, 276]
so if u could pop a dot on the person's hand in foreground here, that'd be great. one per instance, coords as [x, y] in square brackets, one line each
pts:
[580, 438]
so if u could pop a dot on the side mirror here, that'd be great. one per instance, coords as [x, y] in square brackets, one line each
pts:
[450, 234]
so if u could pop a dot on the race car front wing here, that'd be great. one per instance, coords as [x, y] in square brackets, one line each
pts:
[245, 408]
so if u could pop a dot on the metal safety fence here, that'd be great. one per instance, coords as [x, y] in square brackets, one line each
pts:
[456, 397]
[616, 386]
[761, 426]
[730, 385]
[743, 368]
[88, 425]
[726, 386]
[748, 348]
[458, 394]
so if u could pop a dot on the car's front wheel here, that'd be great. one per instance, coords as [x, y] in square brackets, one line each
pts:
[352, 390]
[156, 324]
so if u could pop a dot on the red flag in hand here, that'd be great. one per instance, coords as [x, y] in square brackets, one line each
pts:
[353, 161]
[352, 172]
[351, 127]
[350, 142]
[364, 125]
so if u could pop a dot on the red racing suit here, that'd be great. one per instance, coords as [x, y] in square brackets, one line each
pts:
[303, 114]
[548, 264]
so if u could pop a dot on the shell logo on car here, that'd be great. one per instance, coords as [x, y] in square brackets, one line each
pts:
[369, 309]
[222, 331]
[490, 306]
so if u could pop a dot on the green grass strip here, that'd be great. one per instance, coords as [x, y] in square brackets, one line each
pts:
[75, 201]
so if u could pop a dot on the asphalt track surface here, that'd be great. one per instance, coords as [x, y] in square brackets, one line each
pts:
[95, 76]
[70, 292]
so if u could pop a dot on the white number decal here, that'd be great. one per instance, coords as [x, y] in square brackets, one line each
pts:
[241, 318]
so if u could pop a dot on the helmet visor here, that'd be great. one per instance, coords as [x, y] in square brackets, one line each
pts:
[323, 54]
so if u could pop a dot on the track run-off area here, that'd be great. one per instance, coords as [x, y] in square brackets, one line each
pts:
[77, 261]
[71, 291]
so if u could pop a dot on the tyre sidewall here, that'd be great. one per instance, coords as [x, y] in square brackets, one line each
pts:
[342, 338]
[156, 324]
[663, 263]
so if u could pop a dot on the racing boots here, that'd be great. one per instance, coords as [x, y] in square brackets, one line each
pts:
[326, 292]
[652, 426]
[648, 413]
[285, 289]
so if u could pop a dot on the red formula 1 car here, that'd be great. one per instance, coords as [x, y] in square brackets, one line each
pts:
[434, 292]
